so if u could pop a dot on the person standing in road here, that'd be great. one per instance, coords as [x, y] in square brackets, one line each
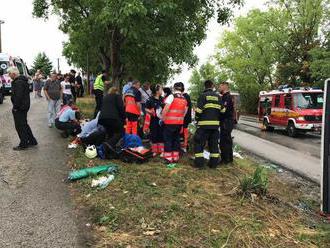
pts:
[98, 90]
[208, 120]
[66, 90]
[37, 84]
[227, 124]
[72, 80]
[53, 92]
[80, 85]
[20, 99]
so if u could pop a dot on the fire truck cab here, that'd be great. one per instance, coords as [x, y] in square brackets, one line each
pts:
[297, 110]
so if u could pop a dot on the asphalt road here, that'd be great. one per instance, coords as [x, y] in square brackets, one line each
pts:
[300, 155]
[309, 143]
[35, 204]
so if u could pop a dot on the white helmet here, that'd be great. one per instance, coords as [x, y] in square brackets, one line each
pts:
[91, 152]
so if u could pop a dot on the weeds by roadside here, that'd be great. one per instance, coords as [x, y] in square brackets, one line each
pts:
[150, 205]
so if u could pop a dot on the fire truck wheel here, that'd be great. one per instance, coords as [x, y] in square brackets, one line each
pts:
[267, 127]
[291, 129]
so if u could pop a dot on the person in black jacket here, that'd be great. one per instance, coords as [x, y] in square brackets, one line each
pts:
[208, 113]
[184, 136]
[112, 116]
[227, 125]
[20, 99]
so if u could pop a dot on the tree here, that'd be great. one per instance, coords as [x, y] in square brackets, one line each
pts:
[43, 63]
[134, 36]
[305, 19]
[207, 71]
[320, 66]
[249, 53]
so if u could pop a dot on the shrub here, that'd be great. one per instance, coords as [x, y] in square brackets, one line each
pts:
[255, 184]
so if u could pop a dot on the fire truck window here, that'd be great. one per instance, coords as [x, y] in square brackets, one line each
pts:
[288, 102]
[277, 100]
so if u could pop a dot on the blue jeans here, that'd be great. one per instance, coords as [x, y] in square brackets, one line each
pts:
[54, 107]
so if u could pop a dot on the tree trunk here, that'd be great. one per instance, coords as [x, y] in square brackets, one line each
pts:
[116, 41]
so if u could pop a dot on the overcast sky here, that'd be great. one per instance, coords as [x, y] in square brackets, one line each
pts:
[25, 36]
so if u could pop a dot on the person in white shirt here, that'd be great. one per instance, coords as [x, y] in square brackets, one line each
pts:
[145, 95]
[66, 90]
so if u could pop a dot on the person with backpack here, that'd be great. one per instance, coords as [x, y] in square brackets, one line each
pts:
[173, 118]
[152, 123]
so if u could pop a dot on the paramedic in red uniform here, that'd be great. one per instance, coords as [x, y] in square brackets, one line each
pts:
[133, 107]
[173, 117]
[152, 123]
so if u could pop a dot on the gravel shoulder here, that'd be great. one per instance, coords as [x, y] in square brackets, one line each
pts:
[35, 204]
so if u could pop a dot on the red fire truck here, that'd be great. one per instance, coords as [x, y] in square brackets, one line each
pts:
[296, 110]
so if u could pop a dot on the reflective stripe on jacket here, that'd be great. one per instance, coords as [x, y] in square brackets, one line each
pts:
[176, 111]
[208, 110]
[99, 84]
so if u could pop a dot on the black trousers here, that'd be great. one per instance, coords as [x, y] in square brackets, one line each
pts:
[80, 91]
[70, 128]
[98, 100]
[172, 138]
[226, 141]
[115, 130]
[23, 129]
[211, 137]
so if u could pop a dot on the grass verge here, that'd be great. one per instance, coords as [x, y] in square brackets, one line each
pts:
[151, 206]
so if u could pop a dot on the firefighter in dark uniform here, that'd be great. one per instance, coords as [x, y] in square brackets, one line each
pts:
[227, 124]
[208, 121]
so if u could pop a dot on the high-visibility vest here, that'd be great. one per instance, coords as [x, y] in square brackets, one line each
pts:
[99, 84]
[176, 111]
[131, 105]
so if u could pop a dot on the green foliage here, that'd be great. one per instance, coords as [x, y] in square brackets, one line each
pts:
[207, 71]
[133, 37]
[255, 184]
[274, 47]
[43, 63]
[304, 20]
[320, 66]
[249, 54]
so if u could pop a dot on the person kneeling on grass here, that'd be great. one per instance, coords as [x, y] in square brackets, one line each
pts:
[67, 120]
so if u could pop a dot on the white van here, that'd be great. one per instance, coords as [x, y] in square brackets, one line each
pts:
[7, 61]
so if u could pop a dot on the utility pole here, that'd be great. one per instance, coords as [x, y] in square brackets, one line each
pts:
[325, 154]
[58, 65]
[1, 22]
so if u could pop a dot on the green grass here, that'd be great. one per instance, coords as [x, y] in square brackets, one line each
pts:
[185, 207]
[191, 208]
